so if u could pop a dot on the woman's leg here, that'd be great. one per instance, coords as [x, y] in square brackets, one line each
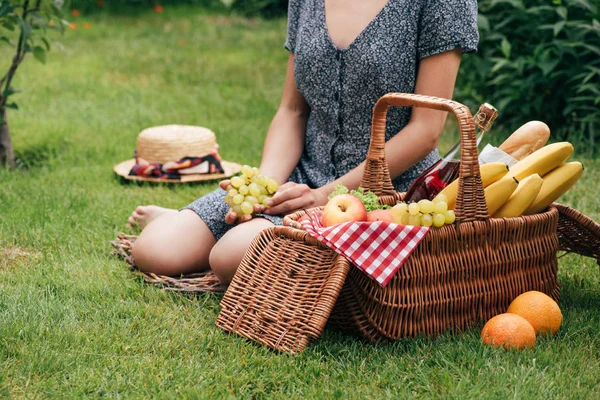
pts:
[174, 243]
[227, 254]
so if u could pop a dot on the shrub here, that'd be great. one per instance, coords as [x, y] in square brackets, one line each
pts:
[538, 60]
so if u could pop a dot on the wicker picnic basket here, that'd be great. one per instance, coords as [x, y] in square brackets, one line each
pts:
[459, 274]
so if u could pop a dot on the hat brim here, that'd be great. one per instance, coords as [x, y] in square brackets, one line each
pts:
[230, 168]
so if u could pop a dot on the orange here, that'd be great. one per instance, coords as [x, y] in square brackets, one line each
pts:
[539, 309]
[508, 331]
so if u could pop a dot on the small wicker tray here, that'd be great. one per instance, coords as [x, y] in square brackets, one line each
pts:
[202, 282]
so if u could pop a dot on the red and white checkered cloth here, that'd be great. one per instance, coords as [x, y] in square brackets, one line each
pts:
[377, 248]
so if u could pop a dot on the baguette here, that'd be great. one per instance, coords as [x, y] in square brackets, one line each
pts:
[528, 138]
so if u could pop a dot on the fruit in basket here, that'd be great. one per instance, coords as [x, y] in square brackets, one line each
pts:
[380, 215]
[498, 193]
[539, 309]
[424, 213]
[556, 183]
[343, 208]
[541, 161]
[510, 331]
[490, 173]
[249, 189]
[521, 199]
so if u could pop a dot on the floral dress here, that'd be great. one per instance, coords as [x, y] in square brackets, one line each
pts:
[341, 86]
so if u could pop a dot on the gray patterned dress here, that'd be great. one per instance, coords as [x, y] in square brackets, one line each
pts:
[341, 86]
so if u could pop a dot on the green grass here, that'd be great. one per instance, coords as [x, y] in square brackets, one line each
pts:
[75, 323]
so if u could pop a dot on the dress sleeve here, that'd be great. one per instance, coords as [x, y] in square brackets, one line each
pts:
[292, 24]
[446, 25]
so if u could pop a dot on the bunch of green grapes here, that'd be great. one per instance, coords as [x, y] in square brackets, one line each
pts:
[424, 213]
[249, 189]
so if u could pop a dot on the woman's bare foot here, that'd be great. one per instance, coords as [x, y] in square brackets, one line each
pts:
[143, 215]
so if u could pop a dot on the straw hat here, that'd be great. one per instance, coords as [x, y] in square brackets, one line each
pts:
[168, 143]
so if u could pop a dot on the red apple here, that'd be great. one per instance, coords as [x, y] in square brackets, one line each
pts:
[380, 215]
[343, 208]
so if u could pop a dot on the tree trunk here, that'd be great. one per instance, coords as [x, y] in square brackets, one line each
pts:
[7, 155]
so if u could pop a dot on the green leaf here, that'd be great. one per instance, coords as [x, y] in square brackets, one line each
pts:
[7, 40]
[10, 91]
[25, 29]
[505, 48]
[40, 54]
[46, 43]
[558, 27]
[483, 23]
[8, 25]
[562, 12]
[6, 9]
[14, 106]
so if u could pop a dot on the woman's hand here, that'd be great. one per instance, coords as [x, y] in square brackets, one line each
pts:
[231, 217]
[292, 197]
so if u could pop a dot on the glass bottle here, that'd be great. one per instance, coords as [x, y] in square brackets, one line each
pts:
[439, 175]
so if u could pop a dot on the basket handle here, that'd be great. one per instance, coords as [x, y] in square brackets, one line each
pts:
[470, 203]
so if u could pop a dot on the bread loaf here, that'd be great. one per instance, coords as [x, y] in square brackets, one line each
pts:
[528, 138]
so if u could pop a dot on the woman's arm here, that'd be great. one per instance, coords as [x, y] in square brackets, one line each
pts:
[436, 77]
[285, 138]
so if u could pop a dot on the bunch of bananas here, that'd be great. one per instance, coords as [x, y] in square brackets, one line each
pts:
[529, 186]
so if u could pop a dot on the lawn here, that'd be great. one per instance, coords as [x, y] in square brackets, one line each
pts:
[75, 323]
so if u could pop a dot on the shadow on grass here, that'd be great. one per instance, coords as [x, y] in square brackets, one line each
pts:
[40, 154]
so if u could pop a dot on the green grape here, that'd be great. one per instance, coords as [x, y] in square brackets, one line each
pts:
[450, 217]
[254, 189]
[247, 208]
[251, 199]
[228, 199]
[248, 171]
[271, 186]
[404, 219]
[229, 187]
[425, 206]
[256, 171]
[399, 210]
[232, 193]
[238, 199]
[440, 197]
[238, 210]
[262, 198]
[414, 220]
[440, 207]
[439, 220]
[263, 190]
[244, 189]
[426, 220]
[260, 180]
[413, 209]
[237, 182]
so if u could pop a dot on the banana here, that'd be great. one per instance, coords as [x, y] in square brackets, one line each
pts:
[526, 192]
[498, 193]
[490, 173]
[541, 161]
[556, 183]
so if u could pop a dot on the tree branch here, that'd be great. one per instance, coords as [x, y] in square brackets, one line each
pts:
[18, 58]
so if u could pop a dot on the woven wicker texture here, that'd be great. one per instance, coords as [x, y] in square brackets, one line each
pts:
[173, 142]
[578, 233]
[459, 274]
[284, 290]
[202, 282]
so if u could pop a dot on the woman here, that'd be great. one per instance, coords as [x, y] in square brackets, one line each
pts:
[344, 55]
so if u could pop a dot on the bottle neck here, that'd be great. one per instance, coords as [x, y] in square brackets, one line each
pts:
[453, 153]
